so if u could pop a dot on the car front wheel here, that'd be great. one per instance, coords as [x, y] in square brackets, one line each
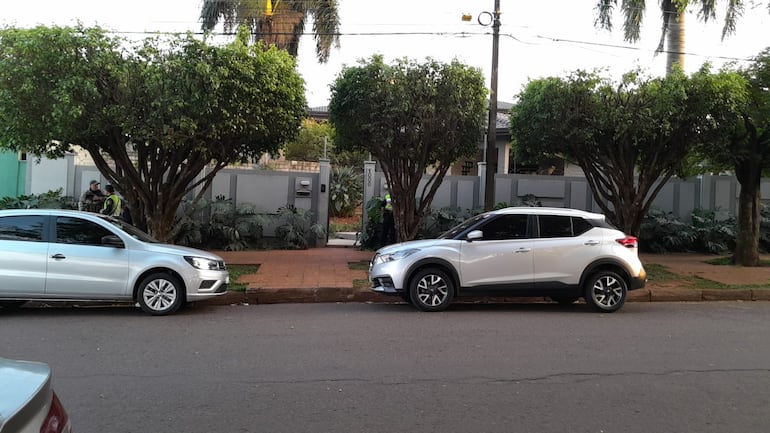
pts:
[606, 291]
[160, 294]
[431, 290]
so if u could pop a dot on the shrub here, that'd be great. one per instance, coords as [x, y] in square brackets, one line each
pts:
[662, 232]
[295, 227]
[372, 235]
[220, 225]
[48, 200]
[345, 191]
[439, 221]
[711, 235]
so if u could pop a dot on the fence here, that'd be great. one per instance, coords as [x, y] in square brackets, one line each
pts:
[269, 190]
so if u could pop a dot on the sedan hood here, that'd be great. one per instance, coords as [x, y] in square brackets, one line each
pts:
[181, 251]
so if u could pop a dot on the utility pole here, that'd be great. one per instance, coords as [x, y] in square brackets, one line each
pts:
[491, 151]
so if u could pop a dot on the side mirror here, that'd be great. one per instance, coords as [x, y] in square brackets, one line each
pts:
[474, 235]
[113, 241]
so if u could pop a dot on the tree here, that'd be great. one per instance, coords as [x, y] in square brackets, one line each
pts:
[152, 117]
[280, 22]
[742, 144]
[411, 117]
[309, 144]
[629, 137]
[673, 16]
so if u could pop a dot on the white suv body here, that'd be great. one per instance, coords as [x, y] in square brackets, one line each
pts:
[64, 255]
[519, 251]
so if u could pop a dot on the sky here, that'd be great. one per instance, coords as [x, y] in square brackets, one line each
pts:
[537, 38]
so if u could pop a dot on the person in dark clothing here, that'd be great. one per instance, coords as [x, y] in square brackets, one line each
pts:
[388, 233]
[93, 198]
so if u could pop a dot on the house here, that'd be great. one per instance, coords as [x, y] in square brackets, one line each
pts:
[13, 173]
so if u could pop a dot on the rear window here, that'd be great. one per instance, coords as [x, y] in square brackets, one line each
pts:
[22, 228]
[563, 226]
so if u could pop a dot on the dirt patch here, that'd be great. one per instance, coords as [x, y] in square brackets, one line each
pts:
[691, 270]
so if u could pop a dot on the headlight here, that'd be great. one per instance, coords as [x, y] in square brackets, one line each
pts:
[397, 255]
[201, 263]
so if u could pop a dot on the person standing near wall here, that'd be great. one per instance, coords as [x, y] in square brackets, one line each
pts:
[388, 233]
[113, 204]
[93, 199]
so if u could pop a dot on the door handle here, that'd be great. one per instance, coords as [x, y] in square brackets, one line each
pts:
[523, 250]
[58, 256]
[591, 242]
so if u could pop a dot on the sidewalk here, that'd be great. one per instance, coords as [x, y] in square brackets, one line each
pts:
[323, 275]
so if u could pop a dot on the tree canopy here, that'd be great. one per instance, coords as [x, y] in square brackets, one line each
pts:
[279, 22]
[741, 143]
[414, 118]
[629, 137]
[152, 115]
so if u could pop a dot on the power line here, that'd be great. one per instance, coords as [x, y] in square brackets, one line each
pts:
[445, 34]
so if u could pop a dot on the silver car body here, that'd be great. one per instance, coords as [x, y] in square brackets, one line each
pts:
[51, 270]
[26, 396]
[530, 266]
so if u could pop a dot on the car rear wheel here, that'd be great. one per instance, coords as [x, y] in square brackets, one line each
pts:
[606, 291]
[431, 290]
[160, 294]
[11, 304]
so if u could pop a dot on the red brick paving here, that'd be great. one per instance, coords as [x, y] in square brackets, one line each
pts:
[300, 269]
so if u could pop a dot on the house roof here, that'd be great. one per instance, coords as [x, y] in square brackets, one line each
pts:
[502, 123]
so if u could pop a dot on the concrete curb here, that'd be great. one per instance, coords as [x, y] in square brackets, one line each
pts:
[349, 294]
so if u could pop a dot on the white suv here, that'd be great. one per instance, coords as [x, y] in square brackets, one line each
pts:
[564, 254]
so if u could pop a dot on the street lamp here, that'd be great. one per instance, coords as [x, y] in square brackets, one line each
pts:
[493, 19]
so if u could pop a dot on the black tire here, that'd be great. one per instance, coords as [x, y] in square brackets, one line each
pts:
[431, 289]
[606, 291]
[160, 294]
[406, 297]
[10, 305]
[565, 299]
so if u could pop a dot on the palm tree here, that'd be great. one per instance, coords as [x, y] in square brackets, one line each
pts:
[673, 30]
[277, 22]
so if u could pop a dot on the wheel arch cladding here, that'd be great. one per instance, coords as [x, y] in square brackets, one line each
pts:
[171, 272]
[433, 263]
[605, 265]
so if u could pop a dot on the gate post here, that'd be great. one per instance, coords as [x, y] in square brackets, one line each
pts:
[368, 192]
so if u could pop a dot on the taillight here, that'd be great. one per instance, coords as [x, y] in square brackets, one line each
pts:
[628, 241]
[57, 420]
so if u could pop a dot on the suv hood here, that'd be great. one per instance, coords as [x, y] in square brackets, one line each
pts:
[420, 244]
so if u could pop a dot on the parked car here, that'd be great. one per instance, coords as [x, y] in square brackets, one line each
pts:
[564, 254]
[64, 255]
[28, 403]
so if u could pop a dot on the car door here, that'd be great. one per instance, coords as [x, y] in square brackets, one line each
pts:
[565, 246]
[23, 254]
[502, 257]
[80, 266]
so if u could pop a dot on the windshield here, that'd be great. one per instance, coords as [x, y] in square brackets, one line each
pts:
[131, 230]
[454, 231]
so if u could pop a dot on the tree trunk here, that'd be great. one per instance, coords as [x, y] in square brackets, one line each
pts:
[673, 33]
[749, 219]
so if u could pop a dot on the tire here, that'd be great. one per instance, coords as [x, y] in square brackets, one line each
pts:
[406, 297]
[606, 291]
[565, 299]
[160, 294]
[10, 305]
[431, 289]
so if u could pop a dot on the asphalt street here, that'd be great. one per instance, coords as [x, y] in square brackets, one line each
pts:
[652, 367]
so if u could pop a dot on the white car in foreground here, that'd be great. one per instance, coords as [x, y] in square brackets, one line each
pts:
[28, 403]
[64, 255]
